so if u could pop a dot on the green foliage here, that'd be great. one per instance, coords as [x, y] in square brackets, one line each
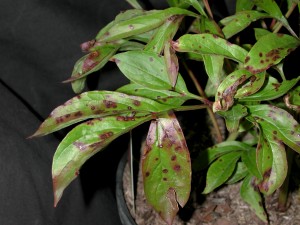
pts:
[244, 79]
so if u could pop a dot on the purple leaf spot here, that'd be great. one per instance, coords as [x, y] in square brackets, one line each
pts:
[177, 168]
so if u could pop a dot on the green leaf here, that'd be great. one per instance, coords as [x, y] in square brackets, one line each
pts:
[239, 173]
[140, 24]
[166, 167]
[278, 122]
[259, 32]
[238, 22]
[207, 156]
[269, 50]
[292, 99]
[242, 5]
[249, 158]
[196, 4]
[220, 171]
[214, 69]
[96, 104]
[78, 85]
[83, 142]
[147, 69]
[225, 94]
[135, 4]
[254, 84]
[250, 194]
[209, 44]
[272, 89]
[164, 34]
[208, 25]
[162, 96]
[93, 61]
[233, 116]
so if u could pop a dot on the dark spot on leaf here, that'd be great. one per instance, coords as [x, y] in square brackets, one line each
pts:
[78, 96]
[262, 61]
[275, 132]
[177, 168]
[136, 102]
[129, 108]
[109, 104]
[106, 135]
[165, 179]
[147, 174]
[165, 171]
[215, 36]
[156, 159]
[76, 173]
[151, 59]
[87, 45]
[93, 107]
[276, 86]
[260, 54]
[173, 158]
[131, 27]
[78, 114]
[80, 145]
[247, 59]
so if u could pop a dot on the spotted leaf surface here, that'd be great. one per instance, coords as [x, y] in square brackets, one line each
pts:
[220, 171]
[81, 143]
[209, 44]
[147, 69]
[92, 62]
[95, 104]
[262, 56]
[292, 99]
[238, 22]
[224, 98]
[250, 194]
[277, 122]
[140, 24]
[162, 96]
[166, 167]
[272, 89]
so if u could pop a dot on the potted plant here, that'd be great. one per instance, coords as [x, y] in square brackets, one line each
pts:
[240, 77]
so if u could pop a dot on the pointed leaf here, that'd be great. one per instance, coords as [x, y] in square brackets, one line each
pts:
[83, 142]
[220, 171]
[95, 104]
[259, 32]
[272, 90]
[134, 4]
[224, 98]
[238, 22]
[164, 34]
[250, 194]
[209, 44]
[140, 24]
[166, 167]
[262, 56]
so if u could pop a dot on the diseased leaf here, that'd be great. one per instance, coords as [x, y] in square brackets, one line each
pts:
[239, 173]
[164, 34]
[209, 44]
[166, 167]
[95, 104]
[93, 61]
[207, 156]
[83, 142]
[172, 64]
[292, 99]
[233, 116]
[279, 122]
[262, 56]
[271, 90]
[250, 194]
[238, 22]
[225, 94]
[162, 96]
[220, 171]
[140, 24]
[254, 84]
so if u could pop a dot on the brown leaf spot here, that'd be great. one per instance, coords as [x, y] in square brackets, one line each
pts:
[165, 179]
[109, 104]
[165, 171]
[260, 54]
[136, 102]
[78, 114]
[106, 135]
[173, 158]
[247, 59]
[147, 174]
[177, 168]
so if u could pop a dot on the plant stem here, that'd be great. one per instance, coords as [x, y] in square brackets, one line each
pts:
[209, 109]
[192, 107]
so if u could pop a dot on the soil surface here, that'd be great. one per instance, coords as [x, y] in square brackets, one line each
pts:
[223, 207]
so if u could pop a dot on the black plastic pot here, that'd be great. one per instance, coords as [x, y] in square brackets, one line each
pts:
[124, 213]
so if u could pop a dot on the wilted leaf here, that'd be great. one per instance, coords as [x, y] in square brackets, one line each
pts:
[238, 22]
[209, 44]
[83, 142]
[220, 170]
[140, 24]
[166, 167]
[262, 56]
[272, 89]
[250, 194]
[172, 64]
[95, 104]
[225, 94]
